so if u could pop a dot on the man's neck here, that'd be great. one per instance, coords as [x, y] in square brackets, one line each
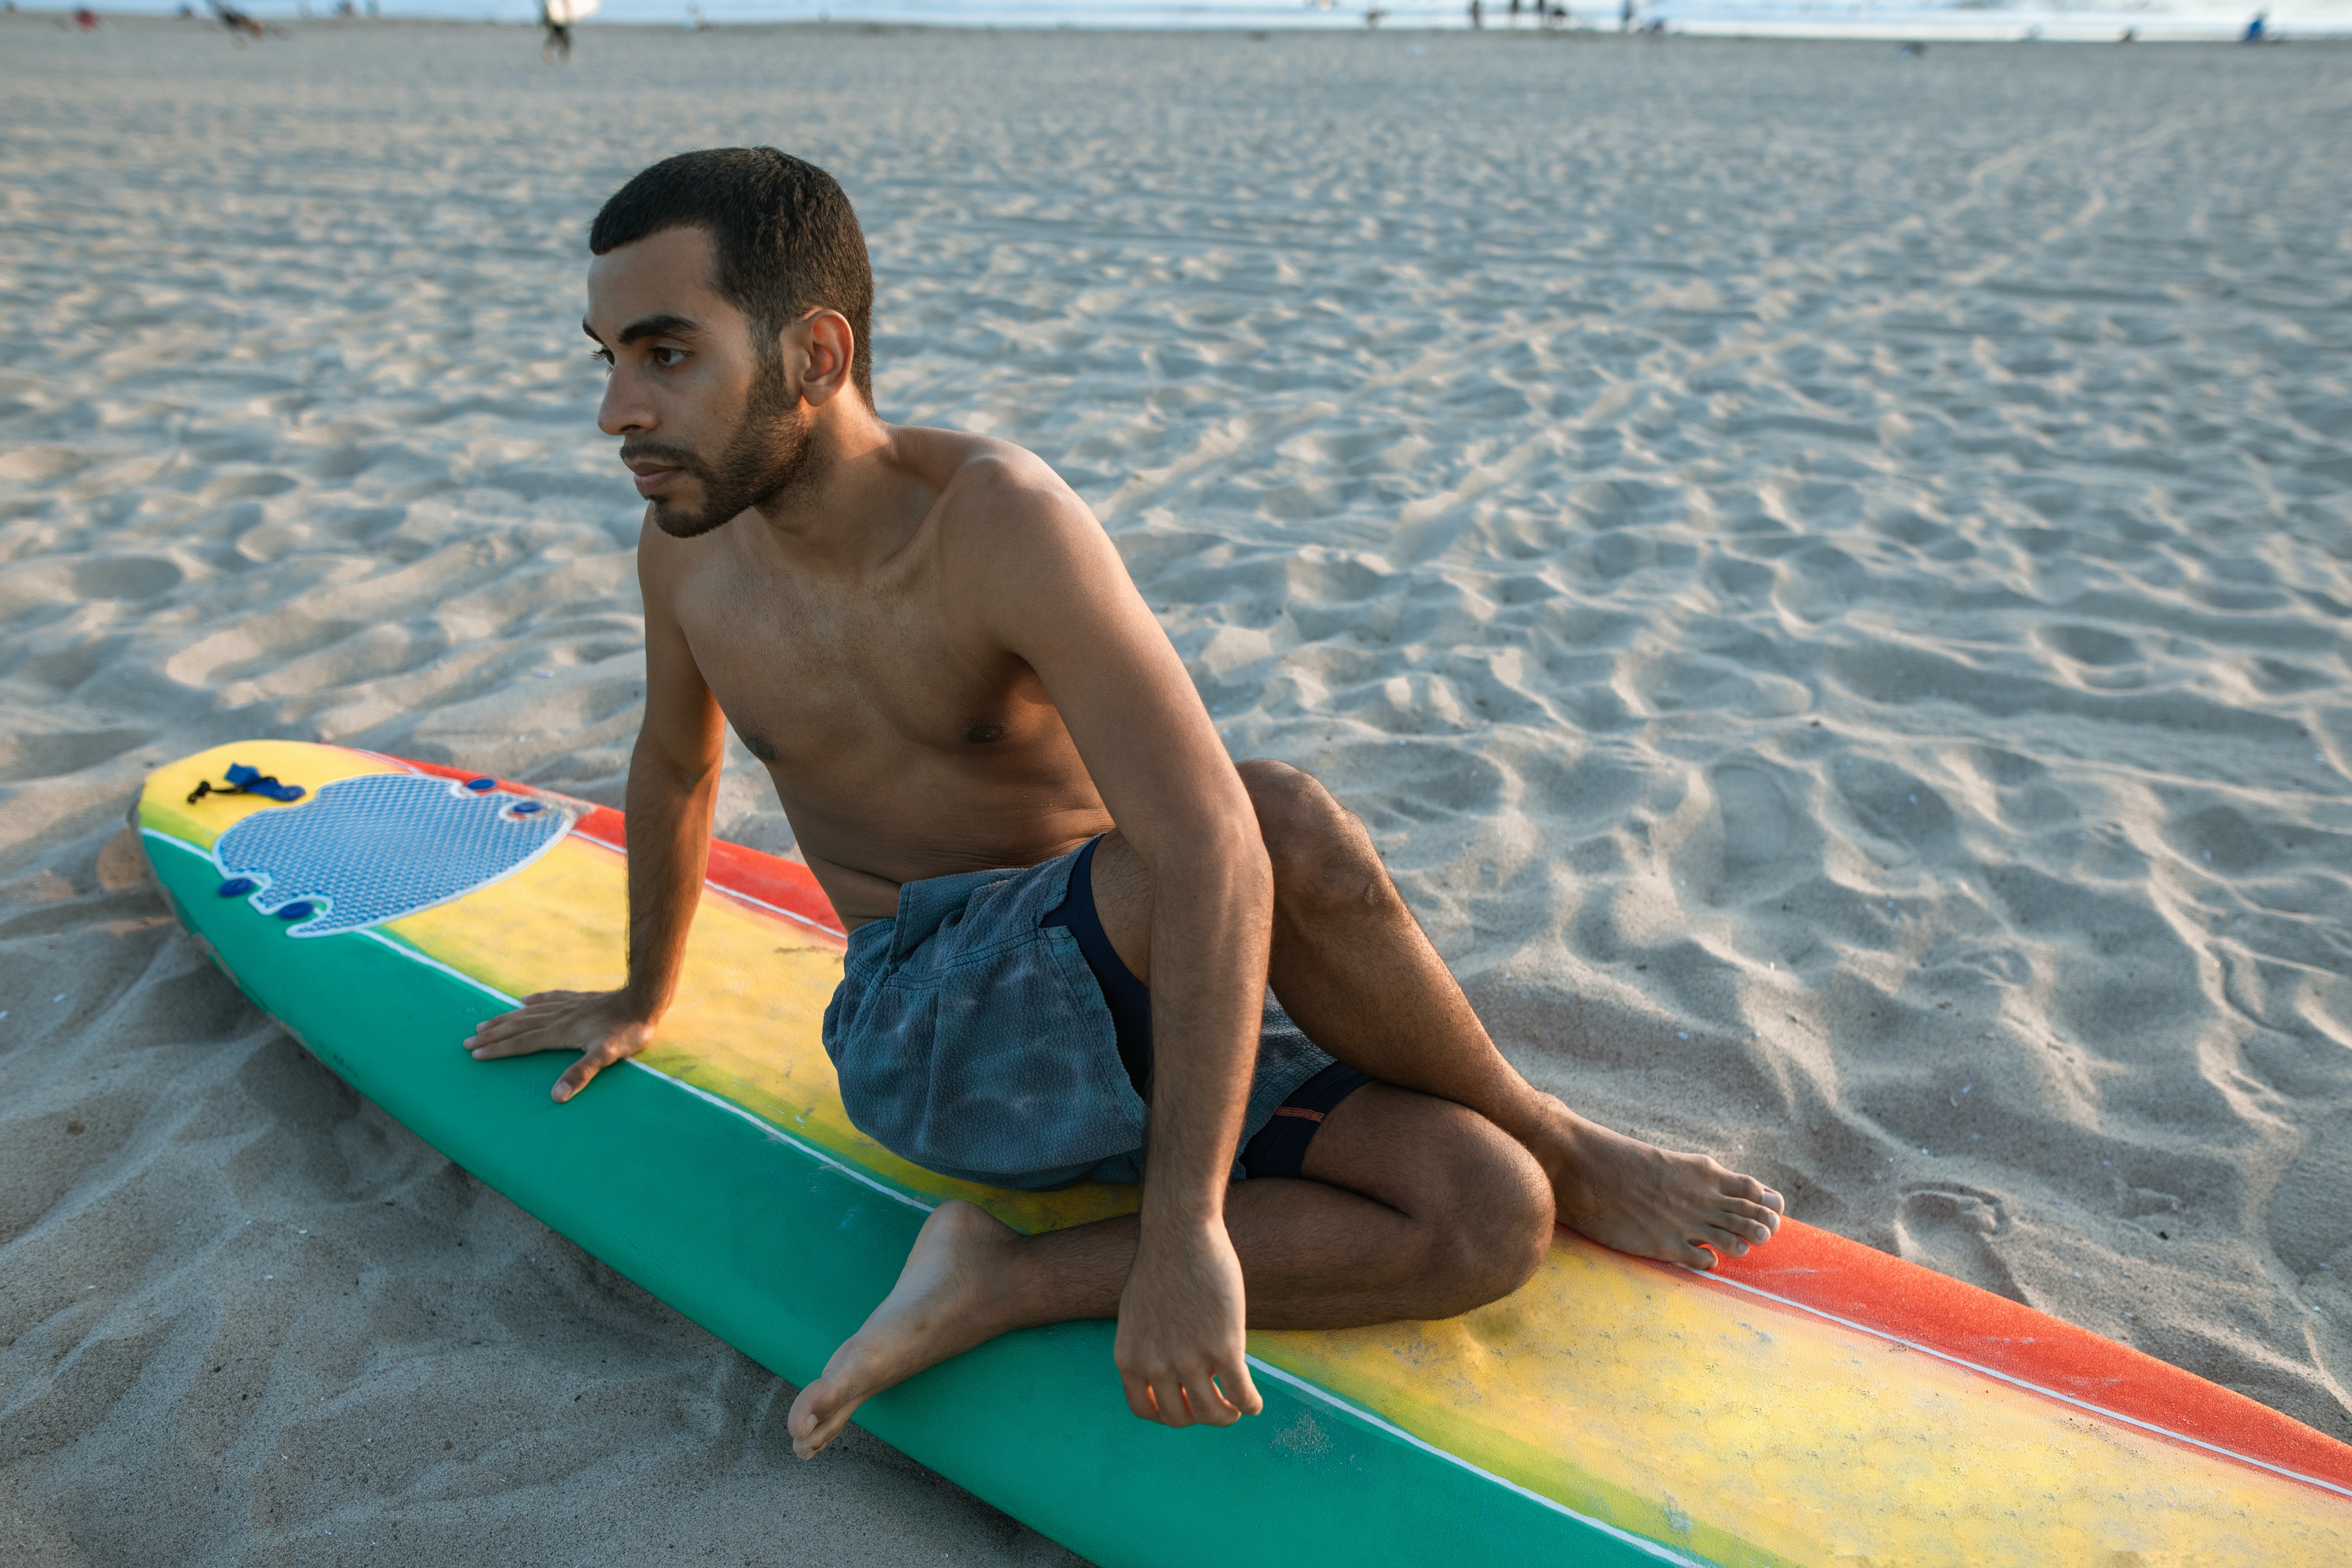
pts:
[860, 501]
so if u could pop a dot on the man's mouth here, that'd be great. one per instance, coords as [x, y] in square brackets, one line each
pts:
[654, 473]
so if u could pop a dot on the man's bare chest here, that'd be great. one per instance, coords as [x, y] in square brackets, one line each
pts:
[822, 682]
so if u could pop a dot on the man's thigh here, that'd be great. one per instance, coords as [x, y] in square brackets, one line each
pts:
[1322, 856]
[1122, 895]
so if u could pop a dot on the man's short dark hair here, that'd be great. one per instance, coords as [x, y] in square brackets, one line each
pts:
[786, 239]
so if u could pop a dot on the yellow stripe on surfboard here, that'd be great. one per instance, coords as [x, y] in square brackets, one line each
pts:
[1749, 1432]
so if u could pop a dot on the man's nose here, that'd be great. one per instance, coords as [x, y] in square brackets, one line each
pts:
[623, 411]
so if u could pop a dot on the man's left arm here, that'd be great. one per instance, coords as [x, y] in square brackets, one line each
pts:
[1056, 594]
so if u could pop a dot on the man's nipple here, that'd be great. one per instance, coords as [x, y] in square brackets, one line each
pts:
[981, 734]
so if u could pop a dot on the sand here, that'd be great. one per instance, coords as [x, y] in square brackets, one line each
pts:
[1826, 574]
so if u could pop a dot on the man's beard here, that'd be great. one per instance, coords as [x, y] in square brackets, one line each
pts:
[771, 449]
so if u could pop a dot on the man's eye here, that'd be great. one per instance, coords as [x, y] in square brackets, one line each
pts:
[669, 357]
[602, 356]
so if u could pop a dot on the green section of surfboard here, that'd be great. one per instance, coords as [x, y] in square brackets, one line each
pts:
[782, 1252]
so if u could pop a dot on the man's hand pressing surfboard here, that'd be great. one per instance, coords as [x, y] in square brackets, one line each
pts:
[603, 1026]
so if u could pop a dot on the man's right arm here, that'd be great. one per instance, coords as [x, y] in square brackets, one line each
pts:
[673, 787]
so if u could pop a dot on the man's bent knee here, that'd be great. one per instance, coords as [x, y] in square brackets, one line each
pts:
[1500, 1241]
[1320, 853]
[1480, 1207]
[1286, 798]
[1493, 1225]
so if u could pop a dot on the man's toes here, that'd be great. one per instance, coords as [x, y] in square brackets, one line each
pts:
[1746, 1188]
[811, 1424]
[1751, 1199]
[1724, 1241]
[1691, 1257]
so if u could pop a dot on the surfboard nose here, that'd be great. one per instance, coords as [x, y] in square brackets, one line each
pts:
[372, 848]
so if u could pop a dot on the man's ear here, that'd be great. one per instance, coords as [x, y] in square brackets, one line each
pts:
[830, 345]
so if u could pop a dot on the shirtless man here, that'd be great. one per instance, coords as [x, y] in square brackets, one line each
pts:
[1066, 903]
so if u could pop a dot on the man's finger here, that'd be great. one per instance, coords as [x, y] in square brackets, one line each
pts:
[507, 1024]
[1139, 1396]
[503, 1043]
[1234, 1383]
[590, 1063]
[515, 1040]
[1207, 1402]
[491, 1028]
[1168, 1394]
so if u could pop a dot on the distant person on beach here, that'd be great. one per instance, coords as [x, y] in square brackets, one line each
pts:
[240, 26]
[1065, 901]
[557, 45]
[1478, 15]
[2254, 30]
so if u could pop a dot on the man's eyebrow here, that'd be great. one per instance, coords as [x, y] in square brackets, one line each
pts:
[647, 326]
[657, 327]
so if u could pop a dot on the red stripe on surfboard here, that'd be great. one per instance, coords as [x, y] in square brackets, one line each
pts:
[784, 884]
[1904, 1302]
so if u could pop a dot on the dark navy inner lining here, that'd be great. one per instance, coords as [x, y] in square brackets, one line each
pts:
[1129, 999]
[1280, 1147]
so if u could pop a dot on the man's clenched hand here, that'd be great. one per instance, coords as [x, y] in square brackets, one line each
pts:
[601, 1025]
[1180, 1351]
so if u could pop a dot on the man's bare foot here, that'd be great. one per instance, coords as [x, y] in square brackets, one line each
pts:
[949, 1296]
[1639, 1198]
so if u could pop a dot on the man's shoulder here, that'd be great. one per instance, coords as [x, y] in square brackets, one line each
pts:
[981, 471]
[1010, 537]
[997, 492]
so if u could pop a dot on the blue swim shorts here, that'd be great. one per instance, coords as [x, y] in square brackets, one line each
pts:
[974, 1037]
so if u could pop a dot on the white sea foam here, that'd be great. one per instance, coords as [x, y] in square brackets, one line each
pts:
[1980, 20]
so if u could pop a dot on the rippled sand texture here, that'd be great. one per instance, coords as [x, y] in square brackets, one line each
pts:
[1826, 574]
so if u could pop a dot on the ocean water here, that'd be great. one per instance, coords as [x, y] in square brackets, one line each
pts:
[1977, 20]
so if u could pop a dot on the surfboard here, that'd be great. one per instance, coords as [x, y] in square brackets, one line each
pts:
[1814, 1403]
